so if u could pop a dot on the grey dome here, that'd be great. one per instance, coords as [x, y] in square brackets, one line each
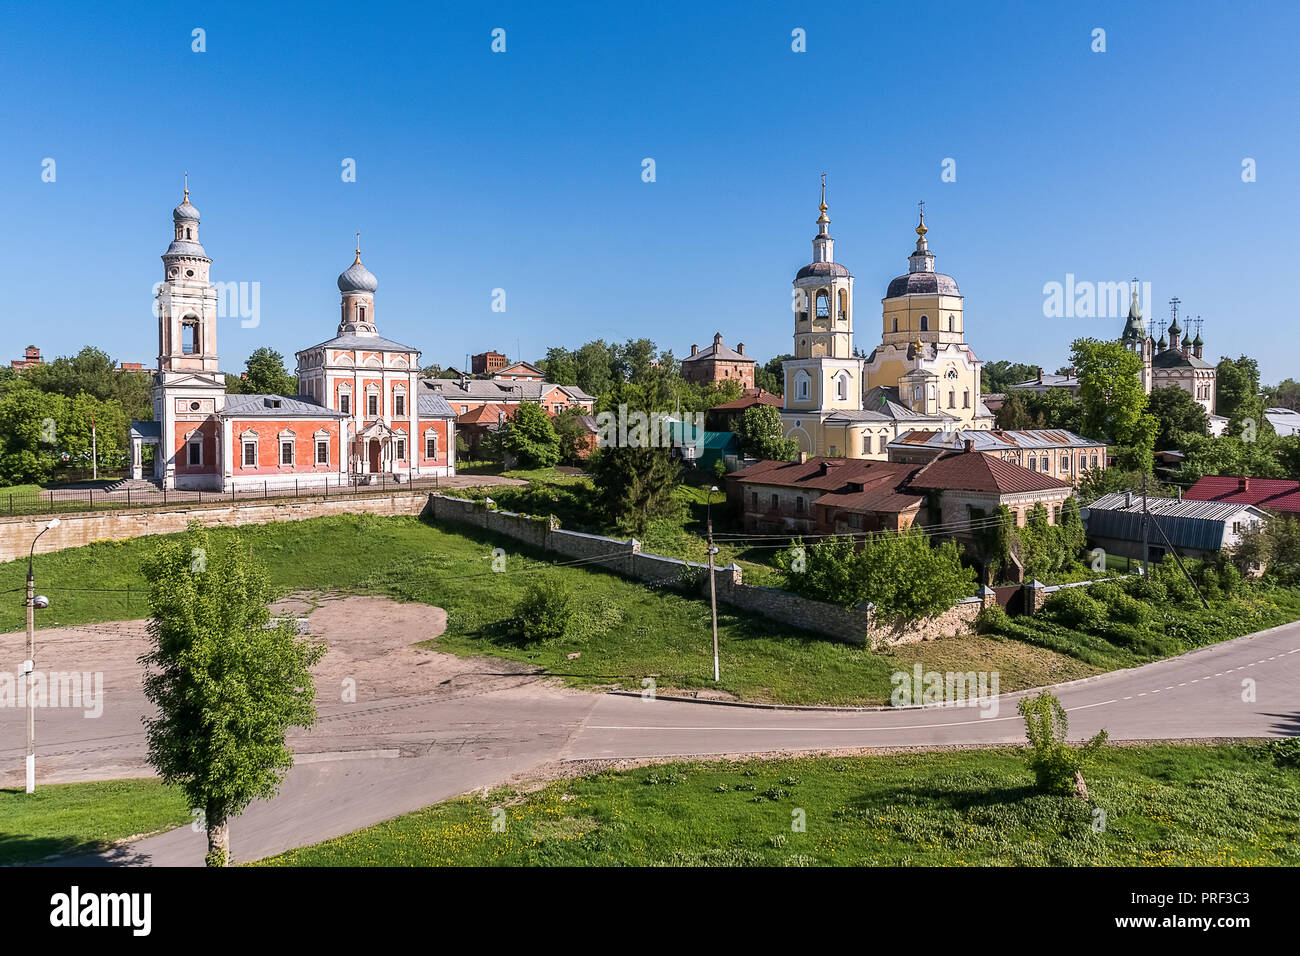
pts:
[358, 278]
[921, 283]
[183, 247]
[185, 212]
[822, 269]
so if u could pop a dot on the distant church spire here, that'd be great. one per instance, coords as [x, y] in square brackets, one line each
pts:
[823, 244]
[922, 260]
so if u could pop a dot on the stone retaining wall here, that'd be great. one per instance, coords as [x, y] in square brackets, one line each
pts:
[75, 530]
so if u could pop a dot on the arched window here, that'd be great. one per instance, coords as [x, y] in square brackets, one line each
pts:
[952, 323]
[925, 323]
[895, 328]
[190, 336]
[952, 398]
[842, 386]
[965, 399]
[187, 233]
[823, 305]
[844, 304]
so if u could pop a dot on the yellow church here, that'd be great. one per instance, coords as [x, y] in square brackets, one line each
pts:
[921, 375]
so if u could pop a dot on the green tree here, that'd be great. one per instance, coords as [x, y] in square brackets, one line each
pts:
[545, 610]
[1054, 408]
[1177, 414]
[634, 486]
[1285, 394]
[770, 376]
[560, 366]
[998, 377]
[29, 427]
[1236, 392]
[760, 431]
[1056, 765]
[227, 681]
[884, 570]
[529, 435]
[1110, 389]
[266, 374]
[572, 434]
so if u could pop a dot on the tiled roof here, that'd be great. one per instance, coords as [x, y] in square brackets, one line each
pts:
[276, 406]
[720, 352]
[824, 474]
[1276, 494]
[960, 471]
[747, 401]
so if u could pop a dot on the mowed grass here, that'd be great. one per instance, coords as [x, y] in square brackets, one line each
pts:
[1159, 806]
[64, 818]
[624, 632]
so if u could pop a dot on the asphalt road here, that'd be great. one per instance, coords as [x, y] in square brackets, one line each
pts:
[426, 727]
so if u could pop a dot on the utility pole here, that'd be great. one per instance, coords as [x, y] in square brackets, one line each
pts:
[94, 449]
[29, 665]
[713, 596]
[1145, 518]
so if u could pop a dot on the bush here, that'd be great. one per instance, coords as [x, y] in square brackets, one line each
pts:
[992, 619]
[544, 612]
[1075, 608]
[1056, 765]
[1147, 588]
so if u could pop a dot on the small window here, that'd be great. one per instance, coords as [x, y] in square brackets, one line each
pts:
[1033, 464]
[189, 338]
[895, 324]
[965, 399]
[866, 444]
[196, 452]
[1056, 514]
[372, 406]
[952, 398]
[250, 454]
[776, 502]
[194, 406]
[1065, 463]
[286, 452]
[345, 404]
[798, 504]
[1094, 461]
[1047, 464]
[431, 446]
[401, 449]
[925, 323]
[399, 405]
[322, 453]
[1236, 527]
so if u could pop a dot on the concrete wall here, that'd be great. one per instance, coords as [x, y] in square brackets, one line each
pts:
[857, 625]
[74, 530]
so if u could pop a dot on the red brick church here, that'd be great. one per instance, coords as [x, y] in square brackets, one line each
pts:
[359, 412]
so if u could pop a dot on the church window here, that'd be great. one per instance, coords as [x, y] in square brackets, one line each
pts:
[1047, 464]
[188, 234]
[952, 323]
[965, 399]
[430, 446]
[189, 336]
[345, 403]
[1033, 464]
[952, 398]
[844, 304]
[401, 449]
[189, 273]
[322, 453]
[194, 406]
[823, 305]
[286, 452]
[1065, 463]
[916, 393]
[895, 324]
[250, 454]
[399, 404]
[372, 405]
[361, 312]
[866, 444]
[842, 387]
[925, 323]
[195, 447]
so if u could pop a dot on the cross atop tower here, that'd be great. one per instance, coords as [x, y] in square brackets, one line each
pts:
[358, 245]
[1174, 304]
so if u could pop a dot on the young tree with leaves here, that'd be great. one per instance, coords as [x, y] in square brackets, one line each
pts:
[530, 436]
[1056, 765]
[635, 486]
[228, 682]
[761, 434]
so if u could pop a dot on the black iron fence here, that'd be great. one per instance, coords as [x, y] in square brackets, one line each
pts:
[136, 496]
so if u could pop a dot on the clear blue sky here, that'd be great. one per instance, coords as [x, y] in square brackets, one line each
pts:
[522, 170]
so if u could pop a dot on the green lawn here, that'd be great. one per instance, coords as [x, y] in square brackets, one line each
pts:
[624, 631]
[82, 817]
[1163, 806]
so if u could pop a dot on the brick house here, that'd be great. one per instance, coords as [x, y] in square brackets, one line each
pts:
[485, 363]
[464, 395]
[725, 417]
[947, 496]
[1272, 494]
[717, 363]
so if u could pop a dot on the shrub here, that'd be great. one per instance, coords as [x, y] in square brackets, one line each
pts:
[1056, 765]
[544, 612]
[1147, 588]
[992, 619]
[1075, 608]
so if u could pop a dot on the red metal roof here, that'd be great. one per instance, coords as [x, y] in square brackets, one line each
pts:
[746, 401]
[1276, 494]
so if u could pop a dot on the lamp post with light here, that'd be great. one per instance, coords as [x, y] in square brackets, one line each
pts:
[29, 665]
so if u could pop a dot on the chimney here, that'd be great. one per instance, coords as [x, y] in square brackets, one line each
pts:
[1180, 494]
[968, 444]
[740, 347]
[1243, 484]
[1128, 499]
[717, 339]
[695, 350]
[803, 458]
[1040, 374]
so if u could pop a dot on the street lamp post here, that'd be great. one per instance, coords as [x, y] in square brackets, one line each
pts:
[29, 665]
[713, 595]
